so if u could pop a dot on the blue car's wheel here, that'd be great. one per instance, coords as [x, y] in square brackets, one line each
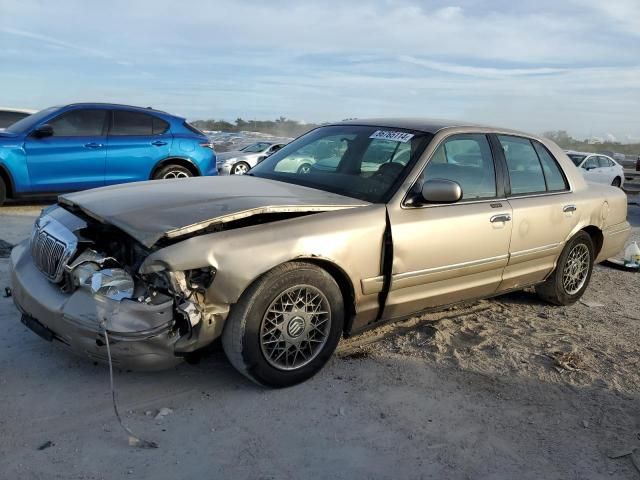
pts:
[3, 191]
[172, 171]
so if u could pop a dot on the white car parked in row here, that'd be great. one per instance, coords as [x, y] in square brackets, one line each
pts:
[598, 168]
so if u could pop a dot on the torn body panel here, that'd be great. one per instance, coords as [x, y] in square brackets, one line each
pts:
[350, 239]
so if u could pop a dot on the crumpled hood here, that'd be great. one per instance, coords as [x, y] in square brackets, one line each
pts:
[149, 211]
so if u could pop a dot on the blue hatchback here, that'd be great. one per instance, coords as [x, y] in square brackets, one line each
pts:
[80, 146]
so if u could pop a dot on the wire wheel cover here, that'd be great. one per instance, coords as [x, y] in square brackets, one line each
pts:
[576, 269]
[295, 327]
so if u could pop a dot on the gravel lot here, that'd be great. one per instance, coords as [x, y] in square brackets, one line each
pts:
[499, 389]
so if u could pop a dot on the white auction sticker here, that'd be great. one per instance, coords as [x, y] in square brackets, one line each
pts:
[390, 135]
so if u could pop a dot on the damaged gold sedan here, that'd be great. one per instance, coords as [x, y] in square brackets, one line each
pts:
[391, 218]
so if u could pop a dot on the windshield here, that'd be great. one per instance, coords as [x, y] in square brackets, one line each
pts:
[31, 121]
[363, 162]
[256, 147]
[576, 158]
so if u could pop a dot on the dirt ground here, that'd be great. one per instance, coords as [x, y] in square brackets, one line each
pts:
[499, 389]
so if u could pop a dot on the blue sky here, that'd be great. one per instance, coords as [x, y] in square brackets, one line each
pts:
[532, 65]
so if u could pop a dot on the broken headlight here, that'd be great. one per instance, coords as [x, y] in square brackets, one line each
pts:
[113, 283]
[88, 271]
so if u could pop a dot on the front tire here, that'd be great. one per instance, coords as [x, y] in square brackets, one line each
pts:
[172, 171]
[571, 276]
[285, 326]
[3, 192]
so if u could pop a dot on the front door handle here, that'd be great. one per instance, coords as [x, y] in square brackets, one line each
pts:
[158, 143]
[93, 145]
[503, 217]
[569, 208]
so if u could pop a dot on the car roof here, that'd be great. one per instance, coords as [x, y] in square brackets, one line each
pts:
[427, 125]
[586, 153]
[116, 105]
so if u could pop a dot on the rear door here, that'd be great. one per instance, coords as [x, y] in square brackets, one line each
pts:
[448, 253]
[137, 142]
[543, 212]
[73, 158]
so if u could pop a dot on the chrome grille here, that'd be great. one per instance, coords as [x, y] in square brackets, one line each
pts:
[52, 245]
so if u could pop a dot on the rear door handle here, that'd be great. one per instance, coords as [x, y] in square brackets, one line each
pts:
[158, 143]
[93, 145]
[503, 217]
[569, 208]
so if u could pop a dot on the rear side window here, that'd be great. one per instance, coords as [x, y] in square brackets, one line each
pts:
[525, 170]
[604, 162]
[79, 123]
[137, 123]
[467, 160]
[556, 180]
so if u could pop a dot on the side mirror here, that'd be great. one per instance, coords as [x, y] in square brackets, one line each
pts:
[43, 131]
[261, 158]
[441, 191]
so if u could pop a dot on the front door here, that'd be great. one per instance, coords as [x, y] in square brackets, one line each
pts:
[447, 253]
[73, 158]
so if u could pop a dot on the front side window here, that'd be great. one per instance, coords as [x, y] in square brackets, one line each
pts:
[525, 170]
[556, 181]
[256, 147]
[79, 123]
[363, 162]
[136, 124]
[467, 160]
[590, 163]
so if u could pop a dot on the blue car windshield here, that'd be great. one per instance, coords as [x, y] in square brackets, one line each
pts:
[364, 162]
[31, 121]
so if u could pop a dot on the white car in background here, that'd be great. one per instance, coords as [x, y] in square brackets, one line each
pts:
[9, 116]
[239, 162]
[598, 168]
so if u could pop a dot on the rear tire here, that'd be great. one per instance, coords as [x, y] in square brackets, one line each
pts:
[285, 326]
[571, 276]
[240, 168]
[172, 171]
[3, 192]
[616, 182]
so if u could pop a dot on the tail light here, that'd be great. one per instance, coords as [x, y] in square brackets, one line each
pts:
[207, 145]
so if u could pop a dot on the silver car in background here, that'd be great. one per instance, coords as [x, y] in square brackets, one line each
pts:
[239, 162]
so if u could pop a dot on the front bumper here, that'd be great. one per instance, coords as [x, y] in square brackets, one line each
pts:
[613, 241]
[141, 336]
[224, 168]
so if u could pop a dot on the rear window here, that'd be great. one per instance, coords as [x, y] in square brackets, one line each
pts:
[190, 127]
[137, 123]
[576, 158]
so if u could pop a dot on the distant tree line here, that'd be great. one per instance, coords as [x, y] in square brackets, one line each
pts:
[564, 140]
[280, 127]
